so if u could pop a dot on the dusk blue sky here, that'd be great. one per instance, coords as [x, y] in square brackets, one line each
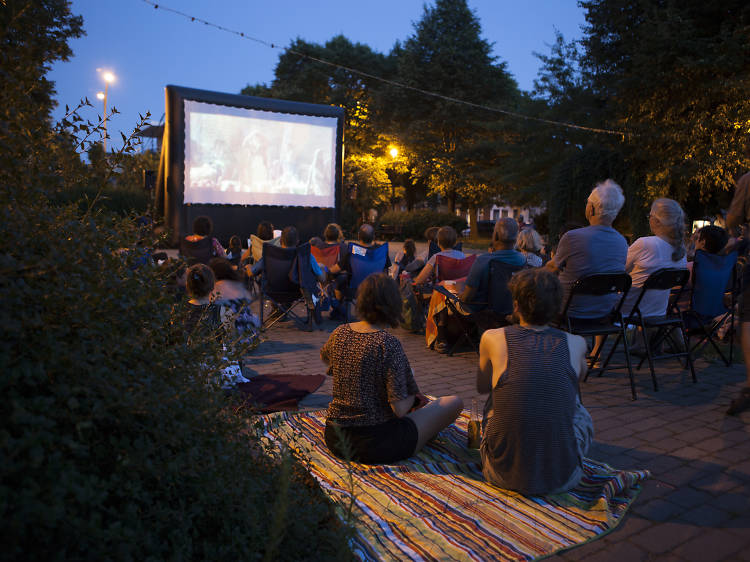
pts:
[148, 48]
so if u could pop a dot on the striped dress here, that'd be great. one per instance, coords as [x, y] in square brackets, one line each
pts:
[528, 443]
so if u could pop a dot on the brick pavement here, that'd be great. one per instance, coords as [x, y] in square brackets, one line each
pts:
[696, 506]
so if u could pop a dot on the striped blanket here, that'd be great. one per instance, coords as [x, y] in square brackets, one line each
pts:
[437, 506]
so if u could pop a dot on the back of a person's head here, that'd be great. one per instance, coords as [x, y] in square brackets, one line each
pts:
[379, 300]
[506, 231]
[235, 243]
[538, 295]
[316, 242]
[223, 269]
[202, 226]
[410, 247]
[670, 224]
[265, 231]
[607, 199]
[714, 238]
[431, 233]
[333, 233]
[289, 237]
[366, 234]
[446, 237]
[199, 281]
[529, 240]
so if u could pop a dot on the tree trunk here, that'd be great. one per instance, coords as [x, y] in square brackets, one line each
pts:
[473, 223]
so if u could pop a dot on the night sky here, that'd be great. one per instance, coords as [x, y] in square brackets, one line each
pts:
[148, 48]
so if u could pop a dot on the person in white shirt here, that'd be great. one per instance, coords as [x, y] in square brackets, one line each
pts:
[651, 253]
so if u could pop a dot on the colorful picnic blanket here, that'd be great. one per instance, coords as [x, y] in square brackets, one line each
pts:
[437, 506]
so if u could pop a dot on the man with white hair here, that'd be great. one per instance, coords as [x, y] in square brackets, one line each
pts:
[597, 248]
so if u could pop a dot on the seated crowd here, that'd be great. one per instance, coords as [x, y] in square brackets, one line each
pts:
[535, 428]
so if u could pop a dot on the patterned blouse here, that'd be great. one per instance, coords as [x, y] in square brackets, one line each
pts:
[369, 372]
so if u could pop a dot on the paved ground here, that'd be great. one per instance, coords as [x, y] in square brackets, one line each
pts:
[696, 506]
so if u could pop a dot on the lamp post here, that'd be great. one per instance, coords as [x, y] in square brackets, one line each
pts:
[108, 78]
[393, 151]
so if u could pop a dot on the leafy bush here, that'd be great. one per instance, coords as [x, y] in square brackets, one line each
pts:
[115, 441]
[114, 199]
[414, 223]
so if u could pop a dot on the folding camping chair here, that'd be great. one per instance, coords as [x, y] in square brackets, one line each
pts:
[492, 314]
[663, 280]
[713, 275]
[446, 269]
[196, 251]
[280, 285]
[363, 262]
[609, 323]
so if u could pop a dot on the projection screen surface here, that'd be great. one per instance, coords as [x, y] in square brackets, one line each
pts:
[252, 157]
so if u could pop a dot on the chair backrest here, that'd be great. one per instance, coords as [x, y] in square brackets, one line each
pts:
[447, 268]
[196, 251]
[277, 266]
[364, 261]
[665, 279]
[712, 275]
[499, 297]
[434, 248]
[327, 256]
[599, 285]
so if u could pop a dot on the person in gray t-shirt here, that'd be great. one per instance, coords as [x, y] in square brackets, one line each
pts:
[598, 248]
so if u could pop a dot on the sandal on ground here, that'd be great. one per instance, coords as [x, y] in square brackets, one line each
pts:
[741, 403]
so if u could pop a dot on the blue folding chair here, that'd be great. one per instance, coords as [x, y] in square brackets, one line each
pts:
[713, 275]
[363, 262]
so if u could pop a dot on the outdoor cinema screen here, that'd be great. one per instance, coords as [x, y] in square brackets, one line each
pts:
[246, 156]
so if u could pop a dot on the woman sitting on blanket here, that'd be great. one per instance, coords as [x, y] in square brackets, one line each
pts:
[377, 415]
[535, 429]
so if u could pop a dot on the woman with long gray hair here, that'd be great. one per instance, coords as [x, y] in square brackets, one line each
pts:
[651, 253]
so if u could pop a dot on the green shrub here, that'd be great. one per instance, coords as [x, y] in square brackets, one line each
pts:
[414, 223]
[121, 200]
[115, 441]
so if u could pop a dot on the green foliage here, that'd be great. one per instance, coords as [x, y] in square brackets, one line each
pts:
[123, 201]
[414, 223]
[116, 439]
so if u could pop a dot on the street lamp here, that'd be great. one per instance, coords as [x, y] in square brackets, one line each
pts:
[108, 78]
[393, 152]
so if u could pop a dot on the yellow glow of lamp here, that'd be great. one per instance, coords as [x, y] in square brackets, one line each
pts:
[100, 95]
[108, 77]
[393, 152]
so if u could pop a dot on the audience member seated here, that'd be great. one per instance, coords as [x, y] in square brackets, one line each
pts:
[366, 239]
[264, 233]
[446, 239]
[503, 249]
[535, 428]
[203, 315]
[289, 239]
[333, 234]
[317, 242]
[597, 248]
[405, 257]
[430, 234]
[651, 253]
[529, 243]
[377, 415]
[202, 228]
[231, 293]
[234, 251]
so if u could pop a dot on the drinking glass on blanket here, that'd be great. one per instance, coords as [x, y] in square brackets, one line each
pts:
[475, 428]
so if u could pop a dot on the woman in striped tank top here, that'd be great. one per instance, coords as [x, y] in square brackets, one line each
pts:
[536, 431]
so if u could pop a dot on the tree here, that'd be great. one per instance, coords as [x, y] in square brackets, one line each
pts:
[446, 54]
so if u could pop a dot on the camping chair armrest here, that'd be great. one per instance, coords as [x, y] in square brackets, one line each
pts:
[446, 293]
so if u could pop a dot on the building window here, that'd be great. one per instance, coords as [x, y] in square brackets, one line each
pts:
[505, 213]
[495, 214]
[515, 213]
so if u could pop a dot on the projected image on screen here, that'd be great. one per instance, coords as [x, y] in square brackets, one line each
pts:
[252, 157]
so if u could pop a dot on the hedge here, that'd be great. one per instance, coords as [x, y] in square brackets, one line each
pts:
[414, 223]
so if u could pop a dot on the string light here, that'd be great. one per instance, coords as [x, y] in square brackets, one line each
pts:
[244, 35]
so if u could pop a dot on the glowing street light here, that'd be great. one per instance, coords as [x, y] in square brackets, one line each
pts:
[108, 78]
[393, 152]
